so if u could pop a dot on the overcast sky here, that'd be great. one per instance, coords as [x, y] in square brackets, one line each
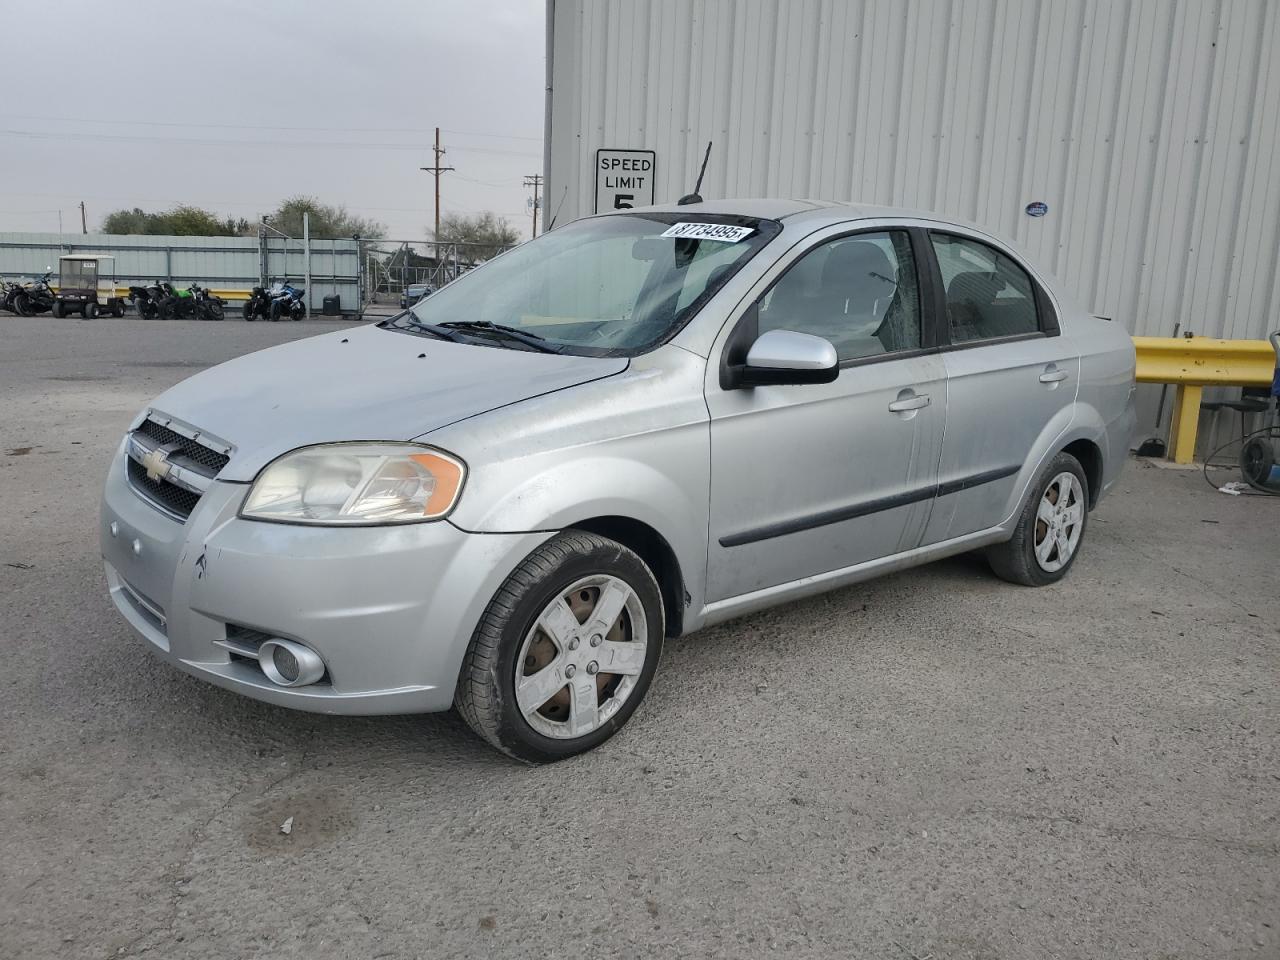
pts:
[232, 105]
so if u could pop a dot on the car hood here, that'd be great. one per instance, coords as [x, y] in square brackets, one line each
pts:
[366, 383]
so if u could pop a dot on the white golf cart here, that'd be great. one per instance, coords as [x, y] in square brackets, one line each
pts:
[87, 285]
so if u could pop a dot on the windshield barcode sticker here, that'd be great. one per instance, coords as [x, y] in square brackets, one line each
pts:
[708, 231]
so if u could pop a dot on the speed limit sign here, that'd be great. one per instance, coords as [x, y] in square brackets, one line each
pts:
[624, 179]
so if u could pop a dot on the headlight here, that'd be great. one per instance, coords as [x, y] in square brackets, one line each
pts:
[357, 483]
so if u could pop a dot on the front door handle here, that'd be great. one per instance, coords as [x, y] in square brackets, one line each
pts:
[917, 402]
[1053, 376]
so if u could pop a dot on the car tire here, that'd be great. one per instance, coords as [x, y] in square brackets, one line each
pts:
[1050, 528]
[90, 311]
[541, 617]
[58, 310]
[117, 309]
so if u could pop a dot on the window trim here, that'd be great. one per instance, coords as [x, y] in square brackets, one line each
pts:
[1046, 315]
[746, 328]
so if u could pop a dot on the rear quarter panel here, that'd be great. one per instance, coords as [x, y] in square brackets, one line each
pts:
[1106, 409]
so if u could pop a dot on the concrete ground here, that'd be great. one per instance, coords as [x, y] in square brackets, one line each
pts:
[933, 765]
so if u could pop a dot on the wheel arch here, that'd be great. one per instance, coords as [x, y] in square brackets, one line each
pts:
[1090, 456]
[652, 547]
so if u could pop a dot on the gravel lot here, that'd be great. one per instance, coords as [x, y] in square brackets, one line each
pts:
[935, 764]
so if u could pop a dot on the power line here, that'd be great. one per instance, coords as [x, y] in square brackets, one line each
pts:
[255, 126]
[210, 142]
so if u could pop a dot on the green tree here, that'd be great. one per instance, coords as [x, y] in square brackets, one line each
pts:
[182, 221]
[326, 220]
[490, 233]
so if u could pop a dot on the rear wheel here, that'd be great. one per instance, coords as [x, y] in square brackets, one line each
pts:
[1050, 528]
[117, 308]
[58, 310]
[565, 651]
[22, 305]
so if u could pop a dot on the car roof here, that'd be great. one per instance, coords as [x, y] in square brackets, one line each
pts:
[816, 211]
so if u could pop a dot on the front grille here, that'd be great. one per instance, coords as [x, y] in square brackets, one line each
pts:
[172, 497]
[184, 447]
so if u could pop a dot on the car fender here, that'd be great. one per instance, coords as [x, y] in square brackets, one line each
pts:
[552, 496]
[635, 446]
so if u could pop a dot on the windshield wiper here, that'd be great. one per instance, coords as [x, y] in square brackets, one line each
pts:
[511, 333]
[406, 318]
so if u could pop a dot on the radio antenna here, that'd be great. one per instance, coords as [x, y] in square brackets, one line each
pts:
[696, 197]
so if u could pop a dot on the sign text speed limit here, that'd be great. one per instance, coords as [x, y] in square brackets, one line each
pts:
[624, 179]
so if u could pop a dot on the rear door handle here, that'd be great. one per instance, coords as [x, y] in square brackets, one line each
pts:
[1053, 376]
[911, 403]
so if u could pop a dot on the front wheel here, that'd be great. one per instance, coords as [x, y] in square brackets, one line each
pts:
[90, 311]
[565, 651]
[1050, 528]
[58, 310]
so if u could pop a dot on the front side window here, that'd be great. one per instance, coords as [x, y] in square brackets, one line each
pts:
[606, 286]
[988, 295]
[860, 293]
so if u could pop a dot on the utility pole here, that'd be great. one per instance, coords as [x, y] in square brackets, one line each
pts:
[535, 181]
[436, 171]
[84, 223]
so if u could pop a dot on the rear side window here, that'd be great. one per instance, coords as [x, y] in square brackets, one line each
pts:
[988, 295]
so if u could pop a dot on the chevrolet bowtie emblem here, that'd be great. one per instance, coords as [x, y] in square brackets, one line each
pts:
[157, 464]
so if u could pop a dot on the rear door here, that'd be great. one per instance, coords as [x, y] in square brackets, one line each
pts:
[1010, 375]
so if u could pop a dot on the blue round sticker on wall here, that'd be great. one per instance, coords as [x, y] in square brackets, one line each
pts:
[1037, 208]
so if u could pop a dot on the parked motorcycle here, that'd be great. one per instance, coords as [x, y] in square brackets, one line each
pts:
[33, 298]
[207, 306]
[146, 300]
[286, 302]
[193, 303]
[258, 305]
[8, 290]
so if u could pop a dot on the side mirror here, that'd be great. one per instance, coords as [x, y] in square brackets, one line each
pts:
[784, 356]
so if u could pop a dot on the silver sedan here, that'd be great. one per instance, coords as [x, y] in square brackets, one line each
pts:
[506, 498]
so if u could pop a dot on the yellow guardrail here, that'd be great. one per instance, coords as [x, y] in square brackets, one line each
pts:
[226, 293]
[1193, 363]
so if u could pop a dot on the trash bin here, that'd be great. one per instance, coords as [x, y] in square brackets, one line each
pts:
[332, 306]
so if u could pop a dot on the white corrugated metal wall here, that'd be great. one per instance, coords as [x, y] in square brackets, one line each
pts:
[1149, 127]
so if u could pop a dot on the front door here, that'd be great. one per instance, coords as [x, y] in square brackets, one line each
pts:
[811, 478]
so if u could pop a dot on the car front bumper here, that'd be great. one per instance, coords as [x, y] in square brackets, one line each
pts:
[389, 609]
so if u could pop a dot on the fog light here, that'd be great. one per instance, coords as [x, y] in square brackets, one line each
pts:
[286, 663]
[289, 664]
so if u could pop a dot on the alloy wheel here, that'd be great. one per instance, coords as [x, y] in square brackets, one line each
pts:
[1059, 522]
[580, 661]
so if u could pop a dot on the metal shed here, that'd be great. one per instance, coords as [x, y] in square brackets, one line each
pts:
[1148, 129]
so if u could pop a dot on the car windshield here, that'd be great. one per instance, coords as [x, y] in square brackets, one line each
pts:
[606, 286]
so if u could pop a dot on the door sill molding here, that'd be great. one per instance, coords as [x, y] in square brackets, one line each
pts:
[727, 609]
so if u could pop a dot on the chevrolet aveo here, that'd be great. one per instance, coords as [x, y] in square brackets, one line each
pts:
[504, 499]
